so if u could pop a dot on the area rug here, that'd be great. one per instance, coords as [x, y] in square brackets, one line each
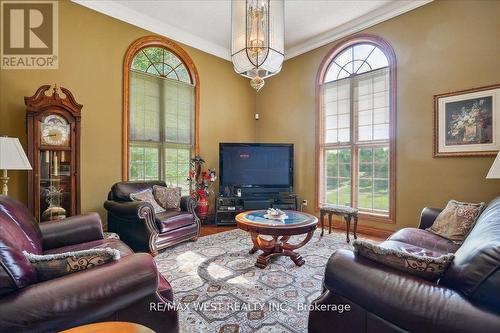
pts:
[217, 288]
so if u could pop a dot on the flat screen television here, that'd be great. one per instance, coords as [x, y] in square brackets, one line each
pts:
[256, 165]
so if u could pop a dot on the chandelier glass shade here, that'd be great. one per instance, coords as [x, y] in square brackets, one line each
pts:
[257, 38]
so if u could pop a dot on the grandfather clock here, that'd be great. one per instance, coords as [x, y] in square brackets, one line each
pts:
[53, 126]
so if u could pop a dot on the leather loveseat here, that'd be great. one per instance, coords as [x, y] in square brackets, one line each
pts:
[381, 299]
[118, 291]
[141, 228]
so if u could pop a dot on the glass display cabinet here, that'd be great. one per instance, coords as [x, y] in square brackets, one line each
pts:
[53, 125]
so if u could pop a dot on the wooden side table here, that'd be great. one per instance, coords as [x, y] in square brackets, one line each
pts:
[348, 213]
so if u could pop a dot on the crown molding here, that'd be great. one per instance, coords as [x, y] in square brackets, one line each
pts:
[118, 11]
[379, 15]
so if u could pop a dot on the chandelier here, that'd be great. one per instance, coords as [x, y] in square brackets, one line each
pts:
[257, 39]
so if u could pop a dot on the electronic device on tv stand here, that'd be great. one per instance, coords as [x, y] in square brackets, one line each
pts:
[254, 176]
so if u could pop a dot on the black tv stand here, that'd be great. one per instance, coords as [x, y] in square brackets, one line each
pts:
[230, 206]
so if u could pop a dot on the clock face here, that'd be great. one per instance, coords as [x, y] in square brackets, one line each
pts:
[55, 131]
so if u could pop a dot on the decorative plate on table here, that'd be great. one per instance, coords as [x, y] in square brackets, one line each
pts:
[275, 214]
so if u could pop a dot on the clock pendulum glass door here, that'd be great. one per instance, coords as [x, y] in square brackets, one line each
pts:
[55, 169]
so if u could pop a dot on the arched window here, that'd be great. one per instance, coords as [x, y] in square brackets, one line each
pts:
[356, 122]
[161, 94]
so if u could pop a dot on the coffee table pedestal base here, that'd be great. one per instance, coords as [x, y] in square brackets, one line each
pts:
[277, 246]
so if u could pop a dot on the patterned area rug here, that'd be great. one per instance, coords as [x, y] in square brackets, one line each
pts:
[217, 288]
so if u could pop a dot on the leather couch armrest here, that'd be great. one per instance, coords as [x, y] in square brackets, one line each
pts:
[134, 210]
[428, 217]
[405, 300]
[72, 230]
[80, 297]
[188, 204]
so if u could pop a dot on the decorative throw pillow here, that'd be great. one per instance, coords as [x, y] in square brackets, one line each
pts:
[168, 197]
[430, 268]
[147, 196]
[51, 266]
[456, 220]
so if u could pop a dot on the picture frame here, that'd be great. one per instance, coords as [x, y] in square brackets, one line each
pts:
[467, 122]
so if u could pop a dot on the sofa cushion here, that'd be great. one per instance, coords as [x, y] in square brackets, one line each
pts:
[408, 259]
[424, 239]
[168, 197]
[173, 219]
[121, 191]
[15, 270]
[96, 244]
[51, 266]
[475, 271]
[456, 220]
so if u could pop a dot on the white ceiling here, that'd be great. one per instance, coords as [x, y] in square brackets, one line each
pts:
[206, 24]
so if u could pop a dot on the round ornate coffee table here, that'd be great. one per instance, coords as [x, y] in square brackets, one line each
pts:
[256, 224]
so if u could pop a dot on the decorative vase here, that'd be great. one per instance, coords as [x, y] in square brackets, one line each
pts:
[202, 208]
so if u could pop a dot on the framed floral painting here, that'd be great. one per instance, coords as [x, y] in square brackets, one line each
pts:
[467, 123]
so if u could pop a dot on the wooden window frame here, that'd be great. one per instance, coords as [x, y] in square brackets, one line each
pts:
[176, 49]
[387, 49]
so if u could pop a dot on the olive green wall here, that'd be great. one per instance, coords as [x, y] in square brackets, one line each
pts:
[441, 47]
[91, 51]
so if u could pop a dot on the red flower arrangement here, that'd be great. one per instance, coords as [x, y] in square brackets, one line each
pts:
[202, 182]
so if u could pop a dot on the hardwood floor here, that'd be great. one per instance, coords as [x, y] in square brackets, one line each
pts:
[210, 229]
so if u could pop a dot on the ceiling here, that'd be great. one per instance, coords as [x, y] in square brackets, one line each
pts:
[206, 24]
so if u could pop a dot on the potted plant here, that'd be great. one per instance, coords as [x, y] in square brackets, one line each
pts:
[202, 182]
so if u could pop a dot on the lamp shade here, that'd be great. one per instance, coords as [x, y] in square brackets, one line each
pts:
[12, 156]
[257, 37]
[495, 168]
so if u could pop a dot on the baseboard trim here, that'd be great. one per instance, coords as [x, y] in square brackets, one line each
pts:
[363, 229]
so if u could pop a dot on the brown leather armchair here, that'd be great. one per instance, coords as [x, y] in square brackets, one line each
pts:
[117, 291]
[466, 299]
[142, 229]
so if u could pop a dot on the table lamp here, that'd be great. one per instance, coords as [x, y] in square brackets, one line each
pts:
[495, 169]
[12, 157]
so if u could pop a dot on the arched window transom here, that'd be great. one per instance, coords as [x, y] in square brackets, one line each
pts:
[161, 62]
[356, 138]
[355, 60]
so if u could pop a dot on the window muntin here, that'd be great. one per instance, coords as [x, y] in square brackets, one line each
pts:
[373, 179]
[338, 176]
[177, 166]
[337, 112]
[161, 62]
[144, 162]
[371, 104]
[356, 125]
[354, 60]
[161, 116]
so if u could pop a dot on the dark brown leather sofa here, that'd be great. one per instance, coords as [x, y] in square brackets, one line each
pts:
[466, 299]
[117, 291]
[141, 228]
